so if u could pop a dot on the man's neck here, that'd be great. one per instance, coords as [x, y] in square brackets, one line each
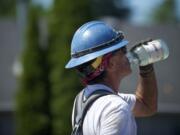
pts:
[113, 83]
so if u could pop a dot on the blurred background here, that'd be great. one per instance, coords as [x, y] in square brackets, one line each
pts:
[37, 93]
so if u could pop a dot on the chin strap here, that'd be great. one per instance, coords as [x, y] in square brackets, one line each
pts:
[100, 64]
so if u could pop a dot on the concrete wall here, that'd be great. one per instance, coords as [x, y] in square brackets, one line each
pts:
[9, 50]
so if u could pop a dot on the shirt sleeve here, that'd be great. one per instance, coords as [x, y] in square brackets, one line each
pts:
[130, 99]
[114, 122]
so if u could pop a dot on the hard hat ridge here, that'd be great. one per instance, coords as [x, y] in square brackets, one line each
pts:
[118, 38]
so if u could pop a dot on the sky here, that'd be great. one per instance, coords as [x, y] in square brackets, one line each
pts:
[44, 3]
[142, 10]
[178, 8]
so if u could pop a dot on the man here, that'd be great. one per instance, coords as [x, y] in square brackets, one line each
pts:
[99, 55]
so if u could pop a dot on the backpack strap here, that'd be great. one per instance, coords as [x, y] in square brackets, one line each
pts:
[82, 104]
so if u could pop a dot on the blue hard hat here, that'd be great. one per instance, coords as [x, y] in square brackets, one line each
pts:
[94, 39]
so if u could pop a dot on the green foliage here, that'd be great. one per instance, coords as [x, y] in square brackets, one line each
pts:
[65, 18]
[7, 7]
[114, 8]
[32, 110]
[165, 13]
[47, 90]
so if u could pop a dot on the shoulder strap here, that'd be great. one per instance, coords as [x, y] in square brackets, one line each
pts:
[82, 104]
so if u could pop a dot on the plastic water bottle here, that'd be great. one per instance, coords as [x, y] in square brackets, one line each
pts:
[148, 52]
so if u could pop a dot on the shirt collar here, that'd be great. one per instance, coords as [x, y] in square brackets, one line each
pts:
[89, 89]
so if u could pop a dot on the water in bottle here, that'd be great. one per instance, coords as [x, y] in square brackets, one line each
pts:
[149, 52]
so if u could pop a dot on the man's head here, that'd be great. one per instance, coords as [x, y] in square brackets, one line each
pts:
[112, 65]
[94, 49]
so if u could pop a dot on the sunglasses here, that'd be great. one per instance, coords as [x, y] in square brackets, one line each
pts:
[123, 50]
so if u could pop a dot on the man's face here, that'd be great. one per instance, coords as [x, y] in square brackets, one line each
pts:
[121, 63]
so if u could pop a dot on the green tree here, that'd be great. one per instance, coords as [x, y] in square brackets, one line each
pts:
[116, 8]
[7, 7]
[65, 18]
[165, 13]
[32, 110]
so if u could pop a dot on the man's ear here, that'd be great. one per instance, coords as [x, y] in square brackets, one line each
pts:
[111, 64]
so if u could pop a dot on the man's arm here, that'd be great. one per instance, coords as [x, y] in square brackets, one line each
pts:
[146, 92]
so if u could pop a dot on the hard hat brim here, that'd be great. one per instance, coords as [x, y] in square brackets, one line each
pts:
[74, 62]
